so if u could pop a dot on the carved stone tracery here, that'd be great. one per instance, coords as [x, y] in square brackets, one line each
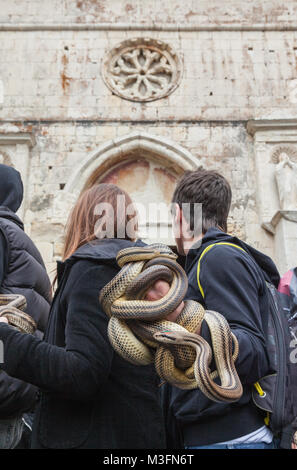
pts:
[5, 158]
[142, 70]
[290, 150]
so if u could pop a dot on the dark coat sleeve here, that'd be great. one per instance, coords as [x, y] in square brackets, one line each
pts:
[16, 396]
[232, 286]
[78, 370]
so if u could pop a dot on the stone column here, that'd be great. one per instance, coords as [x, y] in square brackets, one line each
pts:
[275, 143]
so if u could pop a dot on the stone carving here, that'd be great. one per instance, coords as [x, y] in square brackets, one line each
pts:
[290, 150]
[142, 69]
[286, 178]
[5, 158]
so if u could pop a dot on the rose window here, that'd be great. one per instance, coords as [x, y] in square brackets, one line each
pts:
[142, 70]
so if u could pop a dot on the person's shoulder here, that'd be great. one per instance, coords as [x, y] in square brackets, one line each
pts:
[222, 257]
[83, 265]
[225, 251]
[227, 262]
[87, 271]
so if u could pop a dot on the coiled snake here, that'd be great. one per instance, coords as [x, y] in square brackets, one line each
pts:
[138, 331]
[11, 307]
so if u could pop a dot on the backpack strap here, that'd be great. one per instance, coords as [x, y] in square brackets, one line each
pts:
[204, 253]
[256, 384]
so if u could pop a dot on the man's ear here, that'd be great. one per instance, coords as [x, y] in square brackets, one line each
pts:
[177, 219]
[178, 216]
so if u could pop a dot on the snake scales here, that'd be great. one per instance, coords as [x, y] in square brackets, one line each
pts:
[11, 307]
[139, 332]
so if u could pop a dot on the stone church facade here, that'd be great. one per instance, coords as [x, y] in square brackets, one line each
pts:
[135, 92]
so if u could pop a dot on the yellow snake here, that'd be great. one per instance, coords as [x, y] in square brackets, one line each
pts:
[11, 307]
[139, 332]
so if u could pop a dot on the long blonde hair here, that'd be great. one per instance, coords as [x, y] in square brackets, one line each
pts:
[82, 225]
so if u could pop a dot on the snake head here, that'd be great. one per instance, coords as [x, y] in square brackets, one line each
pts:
[177, 337]
[166, 336]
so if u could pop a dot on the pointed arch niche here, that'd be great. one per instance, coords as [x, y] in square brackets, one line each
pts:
[146, 166]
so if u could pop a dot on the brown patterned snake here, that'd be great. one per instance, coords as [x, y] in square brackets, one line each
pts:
[11, 306]
[138, 330]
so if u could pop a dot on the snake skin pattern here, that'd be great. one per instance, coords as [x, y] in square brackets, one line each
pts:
[11, 307]
[139, 332]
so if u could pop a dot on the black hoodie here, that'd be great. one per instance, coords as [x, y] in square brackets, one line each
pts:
[21, 272]
[234, 285]
[11, 188]
[11, 196]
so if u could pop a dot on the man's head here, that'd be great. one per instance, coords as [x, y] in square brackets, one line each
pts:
[213, 192]
[11, 188]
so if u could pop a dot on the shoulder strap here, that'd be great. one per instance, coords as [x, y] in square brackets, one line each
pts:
[256, 384]
[204, 253]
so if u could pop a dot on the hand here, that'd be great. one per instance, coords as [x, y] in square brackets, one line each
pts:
[159, 290]
[293, 445]
[3, 320]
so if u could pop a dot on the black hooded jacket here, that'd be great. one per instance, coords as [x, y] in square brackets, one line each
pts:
[11, 196]
[234, 285]
[21, 272]
[90, 396]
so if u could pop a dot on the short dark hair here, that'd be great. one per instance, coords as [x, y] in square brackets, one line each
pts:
[210, 189]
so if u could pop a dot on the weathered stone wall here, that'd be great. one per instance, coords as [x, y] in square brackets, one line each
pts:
[239, 63]
[54, 75]
[61, 147]
[190, 12]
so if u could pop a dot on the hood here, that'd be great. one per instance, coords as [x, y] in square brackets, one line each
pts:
[215, 235]
[11, 188]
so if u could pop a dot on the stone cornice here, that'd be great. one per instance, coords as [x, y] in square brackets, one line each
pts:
[260, 125]
[145, 27]
[17, 138]
[282, 214]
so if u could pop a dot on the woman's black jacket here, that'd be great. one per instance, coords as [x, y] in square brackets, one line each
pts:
[90, 397]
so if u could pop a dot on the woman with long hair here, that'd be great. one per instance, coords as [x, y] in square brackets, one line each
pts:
[89, 397]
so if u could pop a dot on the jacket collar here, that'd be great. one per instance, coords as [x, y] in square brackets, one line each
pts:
[104, 251]
[214, 235]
